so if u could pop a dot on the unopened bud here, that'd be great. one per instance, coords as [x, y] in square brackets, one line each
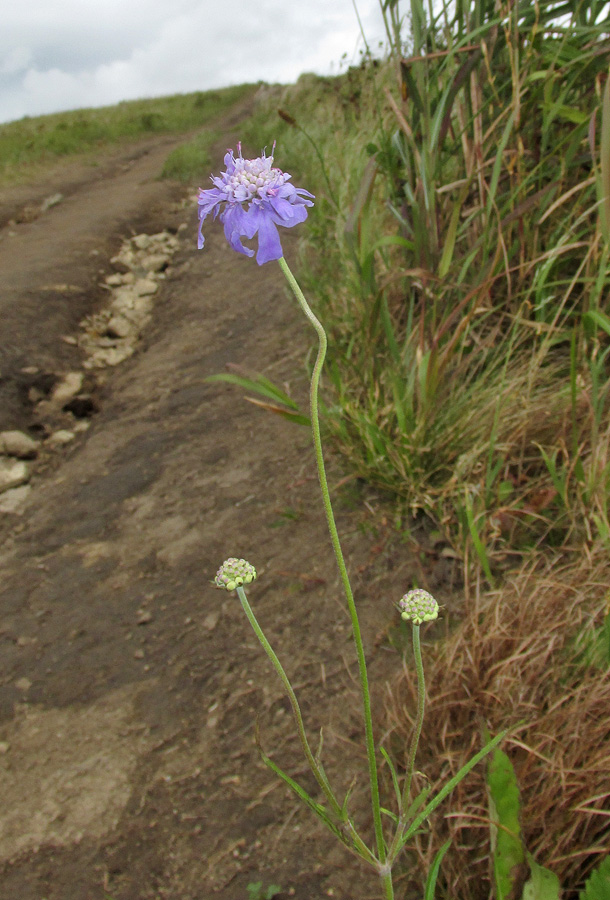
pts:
[233, 573]
[418, 606]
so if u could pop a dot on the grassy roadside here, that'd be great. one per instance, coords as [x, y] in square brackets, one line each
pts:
[30, 144]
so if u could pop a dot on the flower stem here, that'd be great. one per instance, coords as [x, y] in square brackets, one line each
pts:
[388, 885]
[322, 781]
[317, 440]
[421, 700]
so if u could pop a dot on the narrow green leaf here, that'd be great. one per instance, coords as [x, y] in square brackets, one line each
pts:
[499, 161]
[389, 814]
[450, 236]
[418, 802]
[303, 795]
[346, 800]
[434, 870]
[605, 161]
[558, 478]
[411, 87]
[392, 769]
[294, 417]
[478, 543]
[596, 317]
[259, 384]
[451, 785]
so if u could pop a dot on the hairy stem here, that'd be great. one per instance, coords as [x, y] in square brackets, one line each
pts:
[421, 700]
[317, 440]
[322, 781]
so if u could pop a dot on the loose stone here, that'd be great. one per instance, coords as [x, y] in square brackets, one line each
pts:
[118, 327]
[155, 262]
[12, 474]
[61, 437]
[144, 287]
[69, 386]
[16, 443]
[13, 500]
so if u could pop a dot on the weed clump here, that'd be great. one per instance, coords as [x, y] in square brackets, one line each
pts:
[534, 658]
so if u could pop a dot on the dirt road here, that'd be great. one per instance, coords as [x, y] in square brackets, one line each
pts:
[129, 685]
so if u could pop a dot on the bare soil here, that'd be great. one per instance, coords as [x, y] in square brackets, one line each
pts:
[129, 686]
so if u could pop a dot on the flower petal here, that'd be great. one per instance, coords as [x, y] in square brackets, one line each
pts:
[269, 245]
[207, 200]
[233, 219]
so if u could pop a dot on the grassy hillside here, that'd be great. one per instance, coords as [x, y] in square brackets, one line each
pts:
[30, 143]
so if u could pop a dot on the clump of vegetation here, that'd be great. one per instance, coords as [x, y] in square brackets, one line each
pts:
[461, 253]
[533, 658]
[190, 160]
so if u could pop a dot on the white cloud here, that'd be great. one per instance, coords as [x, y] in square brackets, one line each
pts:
[97, 52]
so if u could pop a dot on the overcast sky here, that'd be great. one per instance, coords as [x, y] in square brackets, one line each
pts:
[68, 54]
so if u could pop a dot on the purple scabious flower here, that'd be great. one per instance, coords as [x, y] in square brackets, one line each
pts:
[252, 198]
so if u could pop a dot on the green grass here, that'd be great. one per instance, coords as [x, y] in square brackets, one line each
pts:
[31, 143]
[458, 255]
[191, 161]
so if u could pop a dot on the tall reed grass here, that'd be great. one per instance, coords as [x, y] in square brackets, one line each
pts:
[461, 261]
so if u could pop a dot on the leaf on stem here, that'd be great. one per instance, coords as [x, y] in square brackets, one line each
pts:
[393, 774]
[434, 870]
[389, 814]
[542, 883]
[450, 786]
[505, 805]
[315, 807]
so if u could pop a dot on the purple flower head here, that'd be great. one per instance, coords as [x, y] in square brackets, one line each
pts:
[252, 198]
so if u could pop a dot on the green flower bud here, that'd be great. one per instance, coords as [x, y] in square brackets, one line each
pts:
[233, 573]
[418, 606]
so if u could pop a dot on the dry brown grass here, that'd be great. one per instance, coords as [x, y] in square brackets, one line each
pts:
[517, 660]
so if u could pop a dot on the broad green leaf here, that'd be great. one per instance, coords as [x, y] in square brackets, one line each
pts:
[508, 853]
[597, 885]
[542, 883]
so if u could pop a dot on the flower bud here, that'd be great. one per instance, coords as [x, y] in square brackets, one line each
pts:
[233, 573]
[418, 606]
